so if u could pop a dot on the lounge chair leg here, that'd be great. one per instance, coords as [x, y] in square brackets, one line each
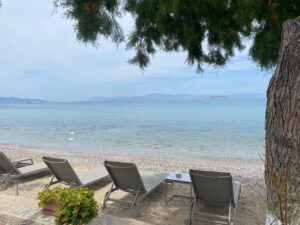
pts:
[6, 179]
[166, 192]
[138, 200]
[106, 197]
[190, 215]
[233, 214]
[50, 183]
[73, 185]
[137, 208]
[105, 200]
[229, 215]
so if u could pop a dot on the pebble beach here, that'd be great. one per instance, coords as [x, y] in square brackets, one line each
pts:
[251, 209]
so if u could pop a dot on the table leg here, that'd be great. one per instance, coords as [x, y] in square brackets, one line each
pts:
[166, 192]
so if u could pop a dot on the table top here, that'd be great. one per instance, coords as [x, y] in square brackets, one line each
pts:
[184, 178]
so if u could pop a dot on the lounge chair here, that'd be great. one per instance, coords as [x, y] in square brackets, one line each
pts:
[214, 188]
[19, 162]
[127, 178]
[9, 169]
[64, 173]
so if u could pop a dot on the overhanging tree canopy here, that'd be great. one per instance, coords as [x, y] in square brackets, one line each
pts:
[187, 25]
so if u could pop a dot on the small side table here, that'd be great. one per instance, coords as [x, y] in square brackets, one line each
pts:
[179, 178]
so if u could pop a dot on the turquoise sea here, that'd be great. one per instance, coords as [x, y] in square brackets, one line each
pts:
[210, 128]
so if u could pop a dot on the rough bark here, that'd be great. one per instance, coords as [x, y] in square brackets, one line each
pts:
[282, 163]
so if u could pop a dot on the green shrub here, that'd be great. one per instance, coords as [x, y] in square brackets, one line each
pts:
[75, 206]
[49, 195]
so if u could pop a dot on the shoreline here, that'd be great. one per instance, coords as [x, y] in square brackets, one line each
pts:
[79, 151]
[248, 169]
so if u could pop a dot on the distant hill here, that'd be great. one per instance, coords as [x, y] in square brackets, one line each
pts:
[12, 100]
[155, 97]
[149, 97]
[179, 97]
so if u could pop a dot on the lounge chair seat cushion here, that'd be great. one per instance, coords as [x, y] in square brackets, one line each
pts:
[152, 179]
[92, 175]
[236, 191]
[18, 160]
[33, 168]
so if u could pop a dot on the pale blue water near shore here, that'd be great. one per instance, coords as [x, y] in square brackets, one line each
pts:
[216, 128]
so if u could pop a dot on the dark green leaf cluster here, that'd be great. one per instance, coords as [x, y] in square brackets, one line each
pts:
[94, 18]
[75, 205]
[189, 25]
[209, 30]
[269, 17]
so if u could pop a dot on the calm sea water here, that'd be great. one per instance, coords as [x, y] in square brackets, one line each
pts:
[224, 128]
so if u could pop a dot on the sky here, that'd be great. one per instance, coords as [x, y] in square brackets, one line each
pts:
[41, 58]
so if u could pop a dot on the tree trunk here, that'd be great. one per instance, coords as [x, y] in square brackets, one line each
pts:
[282, 165]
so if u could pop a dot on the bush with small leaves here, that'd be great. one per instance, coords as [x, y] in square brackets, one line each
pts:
[48, 195]
[76, 205]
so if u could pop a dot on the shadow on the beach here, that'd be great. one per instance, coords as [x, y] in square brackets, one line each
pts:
[26, 181]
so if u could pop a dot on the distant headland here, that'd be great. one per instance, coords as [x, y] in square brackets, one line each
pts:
[148, 97]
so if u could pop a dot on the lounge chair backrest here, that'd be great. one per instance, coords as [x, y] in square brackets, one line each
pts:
[212, 187]
[6, 166]
[125, 176]
[62, 170]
